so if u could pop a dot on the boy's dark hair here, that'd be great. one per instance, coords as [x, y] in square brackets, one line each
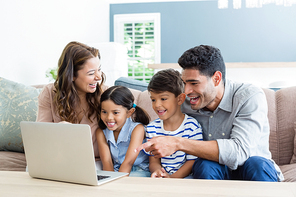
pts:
[166, 80]
[121, 95]
[206, 59]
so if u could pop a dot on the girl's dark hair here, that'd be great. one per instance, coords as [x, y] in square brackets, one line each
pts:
[66, 98]
[121, 95]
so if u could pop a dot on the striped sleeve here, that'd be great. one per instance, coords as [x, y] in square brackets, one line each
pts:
[153, 128]
[193, 131]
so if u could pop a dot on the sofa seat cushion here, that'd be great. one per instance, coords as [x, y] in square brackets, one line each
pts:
[18, 103]
[12, 161]
[289, 172]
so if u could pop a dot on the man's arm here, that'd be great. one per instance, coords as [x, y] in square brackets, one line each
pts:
[249, 133]
[166, 145]
[204, 149]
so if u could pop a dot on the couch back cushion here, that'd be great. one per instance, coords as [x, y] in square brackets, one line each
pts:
[272, 117]
[293, 160]
[144, 101]
[281, 115]
[286, 116]
[18, 102]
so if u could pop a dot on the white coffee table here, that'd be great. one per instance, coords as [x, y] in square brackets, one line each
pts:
[21, 184]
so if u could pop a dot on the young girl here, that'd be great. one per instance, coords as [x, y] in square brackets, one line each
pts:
[120, 132]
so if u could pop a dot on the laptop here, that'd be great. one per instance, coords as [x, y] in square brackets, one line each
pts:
[62, 152]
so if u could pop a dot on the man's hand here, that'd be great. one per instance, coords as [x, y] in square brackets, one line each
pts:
[160, 146]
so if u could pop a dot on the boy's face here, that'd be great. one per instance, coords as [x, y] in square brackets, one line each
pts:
[165, 104]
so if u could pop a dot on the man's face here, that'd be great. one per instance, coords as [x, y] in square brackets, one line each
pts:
[200, 89]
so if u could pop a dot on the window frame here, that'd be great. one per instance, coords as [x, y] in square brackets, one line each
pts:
[121, 19]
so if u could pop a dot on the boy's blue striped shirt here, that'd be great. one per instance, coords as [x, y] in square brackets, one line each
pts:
[189, 128]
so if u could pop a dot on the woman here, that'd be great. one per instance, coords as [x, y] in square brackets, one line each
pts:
[74, 97]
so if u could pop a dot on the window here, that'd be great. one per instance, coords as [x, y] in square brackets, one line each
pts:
[140, 33]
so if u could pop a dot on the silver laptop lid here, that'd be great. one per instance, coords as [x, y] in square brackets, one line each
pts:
[58, 151]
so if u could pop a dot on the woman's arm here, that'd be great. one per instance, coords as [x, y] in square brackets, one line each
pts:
[104, 151]
[45, 102]
[137, 137]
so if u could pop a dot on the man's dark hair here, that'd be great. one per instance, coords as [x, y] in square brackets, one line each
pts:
[206, 59]
[166, 80]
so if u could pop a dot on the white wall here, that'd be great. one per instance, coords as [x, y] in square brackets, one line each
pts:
[113, 60]
[265, 77]
[279, 77]
[144, 1]
[34, 33]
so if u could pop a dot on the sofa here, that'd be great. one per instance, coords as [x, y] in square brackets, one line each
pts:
[19, 102]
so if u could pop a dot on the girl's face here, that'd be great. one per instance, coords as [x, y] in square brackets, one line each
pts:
[87, 78]
[114, 116]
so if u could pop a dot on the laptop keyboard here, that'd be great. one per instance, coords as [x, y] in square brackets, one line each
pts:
[100, 177]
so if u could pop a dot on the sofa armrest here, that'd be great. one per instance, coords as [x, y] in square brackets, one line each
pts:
[131, 83]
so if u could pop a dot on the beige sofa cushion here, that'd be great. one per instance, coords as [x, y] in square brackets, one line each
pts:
[293, 160]
[12, 161]
[281, 115]
[286, 116]
[272, 117]
[289, 172]
[144, 101]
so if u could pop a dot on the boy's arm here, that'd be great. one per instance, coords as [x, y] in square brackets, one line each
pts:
[104, 151]
[185, 170]
[154, 164]
[137, 137]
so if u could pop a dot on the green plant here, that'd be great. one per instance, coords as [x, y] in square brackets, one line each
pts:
[51, 73]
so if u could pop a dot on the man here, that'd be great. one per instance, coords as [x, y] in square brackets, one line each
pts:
[234, 120]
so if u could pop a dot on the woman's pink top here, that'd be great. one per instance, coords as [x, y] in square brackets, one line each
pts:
[47, 113]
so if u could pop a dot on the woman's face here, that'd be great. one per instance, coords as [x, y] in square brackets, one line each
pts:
[87, 78]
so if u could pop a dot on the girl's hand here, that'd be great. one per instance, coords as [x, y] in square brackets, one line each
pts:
[160, 173]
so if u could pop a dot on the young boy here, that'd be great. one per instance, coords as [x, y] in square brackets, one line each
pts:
[166, 93]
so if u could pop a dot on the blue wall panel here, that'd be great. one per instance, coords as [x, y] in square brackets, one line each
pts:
[266, 34]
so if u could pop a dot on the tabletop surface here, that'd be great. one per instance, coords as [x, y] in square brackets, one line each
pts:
[21, 184]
